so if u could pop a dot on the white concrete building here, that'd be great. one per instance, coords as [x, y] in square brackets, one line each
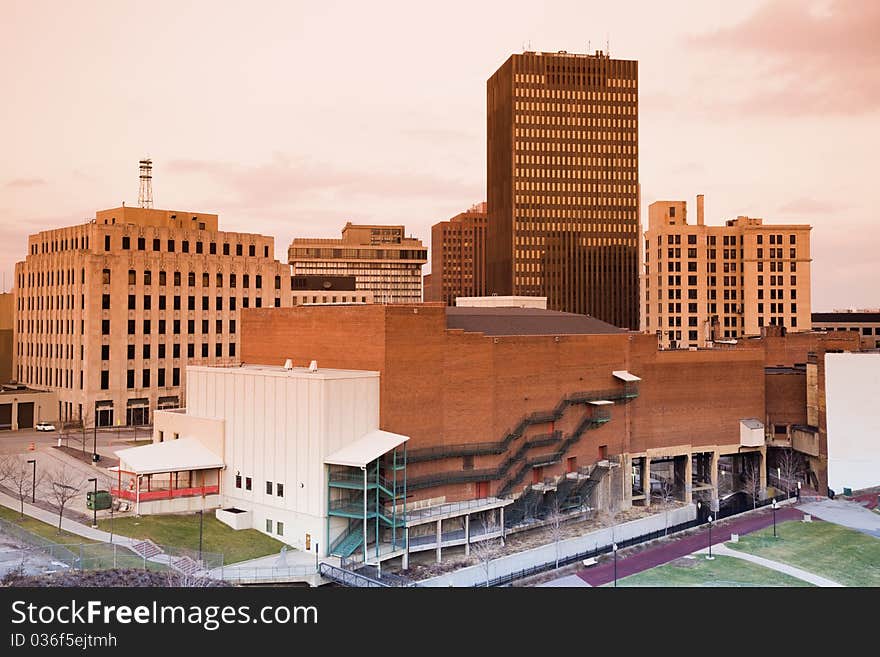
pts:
[852, 388]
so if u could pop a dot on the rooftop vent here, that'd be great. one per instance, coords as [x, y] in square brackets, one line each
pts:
[288, 364]
[313, 366]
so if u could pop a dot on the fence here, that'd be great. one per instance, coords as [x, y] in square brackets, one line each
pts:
[267, 574]
[105, 556]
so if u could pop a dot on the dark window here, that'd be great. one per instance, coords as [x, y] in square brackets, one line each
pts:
[238, 249]
[161, 327]
[279, 490]
[148, 302]
[130, 351]
[146, 352]
[238, 481]
[163, 300]
[131, 302]
[190, 326]
[132, 277]
[126, 242]
[268, 488]
[219, 303]
[171, 246]
[106, 242]
[142, 244]
[204, 326]
[160, 377]
[247, 483]
[175, 375]
[162, 278]
[232, 280]
[177, 278]
[190, 350]
[218, 349]
[204, 350]
[105, 380]
[161, 350]
[226, 252]
[231, 303]
[204, 303]
[231, 349]
[176, 327]
[259, 302]
[146, 379]
[105, 352]
[129, 378]
[259, 282]
[131, 327]
[212, 248]
[184, 246]
[219, 280]
[246, 281]
[265, 251]
[191, 278]
[105, 301]
[176, 302]
[157, 244]
[219, 326]
[191, 302]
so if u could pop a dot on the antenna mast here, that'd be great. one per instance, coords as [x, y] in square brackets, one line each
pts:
[145, 193]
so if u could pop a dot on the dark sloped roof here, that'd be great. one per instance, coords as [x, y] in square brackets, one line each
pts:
[524, 321]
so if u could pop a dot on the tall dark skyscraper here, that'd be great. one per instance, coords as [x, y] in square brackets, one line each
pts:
[563, 183]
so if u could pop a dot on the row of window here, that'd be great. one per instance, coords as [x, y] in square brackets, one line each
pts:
[146, 352]
[175, 326]
[145, 378]
[248, 484]
[171, 246]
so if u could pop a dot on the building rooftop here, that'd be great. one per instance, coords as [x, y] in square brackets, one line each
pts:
[294, 372]
[847, 317]
[524, 321]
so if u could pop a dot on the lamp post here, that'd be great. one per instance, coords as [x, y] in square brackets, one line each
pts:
[95, 444]
[34, 481]
[774, 506]
[95, 503]
[710, 539]
[614, 549]
[316, 555]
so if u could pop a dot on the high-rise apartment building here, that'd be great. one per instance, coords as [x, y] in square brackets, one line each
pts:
[563, 183]
[703, 284]
[458, 257]
[110, 313]
[381, 258]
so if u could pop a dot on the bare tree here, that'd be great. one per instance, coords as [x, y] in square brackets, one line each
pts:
[18, 475]
[608, 518]
[790, 466]
[752, 482]
[488, 549]
[665, 495]
[555, 518]
[64, 484]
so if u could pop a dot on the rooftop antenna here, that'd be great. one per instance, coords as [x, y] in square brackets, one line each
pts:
[607, 45]
[145, 193]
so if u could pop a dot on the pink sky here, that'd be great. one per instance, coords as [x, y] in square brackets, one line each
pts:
[290, 118]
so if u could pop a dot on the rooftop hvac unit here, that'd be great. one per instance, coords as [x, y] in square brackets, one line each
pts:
[313, 366]
[288, 364]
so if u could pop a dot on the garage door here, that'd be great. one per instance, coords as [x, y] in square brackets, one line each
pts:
[26, 415]
[5, 416]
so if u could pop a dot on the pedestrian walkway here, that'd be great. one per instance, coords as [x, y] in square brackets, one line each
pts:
[675, 548]
[51, 518]
[568, 581]
[847, 513]
[817, 580]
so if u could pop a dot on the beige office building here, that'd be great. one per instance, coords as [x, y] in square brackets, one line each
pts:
[703, 284]
[110, 313]
[384, 261]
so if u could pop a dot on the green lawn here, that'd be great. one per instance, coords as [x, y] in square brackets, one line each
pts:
[182, 531]
[720, 571]
[838, 553]
[41, 528]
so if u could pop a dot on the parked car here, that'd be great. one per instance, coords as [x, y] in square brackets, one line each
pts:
[45, 426]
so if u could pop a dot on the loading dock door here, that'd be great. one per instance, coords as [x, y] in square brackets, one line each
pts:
[5, 416]
[26, 415]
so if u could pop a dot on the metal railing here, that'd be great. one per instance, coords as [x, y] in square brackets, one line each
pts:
[268, 574]
[349, 577]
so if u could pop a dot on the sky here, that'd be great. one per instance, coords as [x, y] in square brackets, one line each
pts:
[290, 118]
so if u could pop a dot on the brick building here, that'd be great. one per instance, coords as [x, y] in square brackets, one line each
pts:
[563, 183]
[701, 284]
[458, 257]
[523, 397]
[865, 322]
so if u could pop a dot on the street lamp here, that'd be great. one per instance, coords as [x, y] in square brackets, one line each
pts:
[614, 548]
[710, 539]
[95, 503]
[34, 482]
[798, 491]
[774, 506]
[201, 523]
[95, 444]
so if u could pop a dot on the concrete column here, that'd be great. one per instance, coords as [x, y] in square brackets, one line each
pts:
[646, 479]
[14, 415]
[762, 465]
[502, 525]
[405, 559]
[714, 474]
[688, 479]
[467, 534]
[439, 536]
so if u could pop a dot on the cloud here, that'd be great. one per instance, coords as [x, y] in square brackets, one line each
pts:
[799, 58]
[27, 182]
[805, 205]
[284, 180]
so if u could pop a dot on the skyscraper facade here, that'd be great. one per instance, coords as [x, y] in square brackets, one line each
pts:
[563, 183]
[458, 257]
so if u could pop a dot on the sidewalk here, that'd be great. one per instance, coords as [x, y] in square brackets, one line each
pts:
[818, 580]
[71, 526]
[669, 550]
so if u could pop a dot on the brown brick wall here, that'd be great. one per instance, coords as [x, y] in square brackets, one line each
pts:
[786, 398]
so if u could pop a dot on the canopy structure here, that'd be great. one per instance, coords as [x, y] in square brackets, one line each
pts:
[601, 402]
[623, 375]
[170, 456]
[366, 449]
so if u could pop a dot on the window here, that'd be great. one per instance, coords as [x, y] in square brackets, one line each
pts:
[175, 350]
[198, 247]
[157, 244]
[131, 302]
[219, 326]
[148, 302]
[238, 249]
[177, 278]
[176, 327]
[161, 377]
[204, 303]
[212, 248]
[279, 490]
[245, 281]
[105, 301]
[146, 352]
[126, 242]
[175, 375]
[130, 351]
[204, 350]
[231, 349]
[190, 326]
[132, 276]
[225, 249]
[268, 488]
[191, 302]
[190, 350]
[218, 302]
[176, 302]
[219, 280]
[106, 242]
[268, 526]
[146, 378]
[170, 246]
[204, 326]
[238, 481]
[279, 528]
[671, 210]
[191, 278]
[232, 278]
[218, 349]
[105, 380]
[692, 239]
[184, 246]
[105, 327]
[129, 379]
[161, 327]
[231, 303]
[247, 483]
[161, 350]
